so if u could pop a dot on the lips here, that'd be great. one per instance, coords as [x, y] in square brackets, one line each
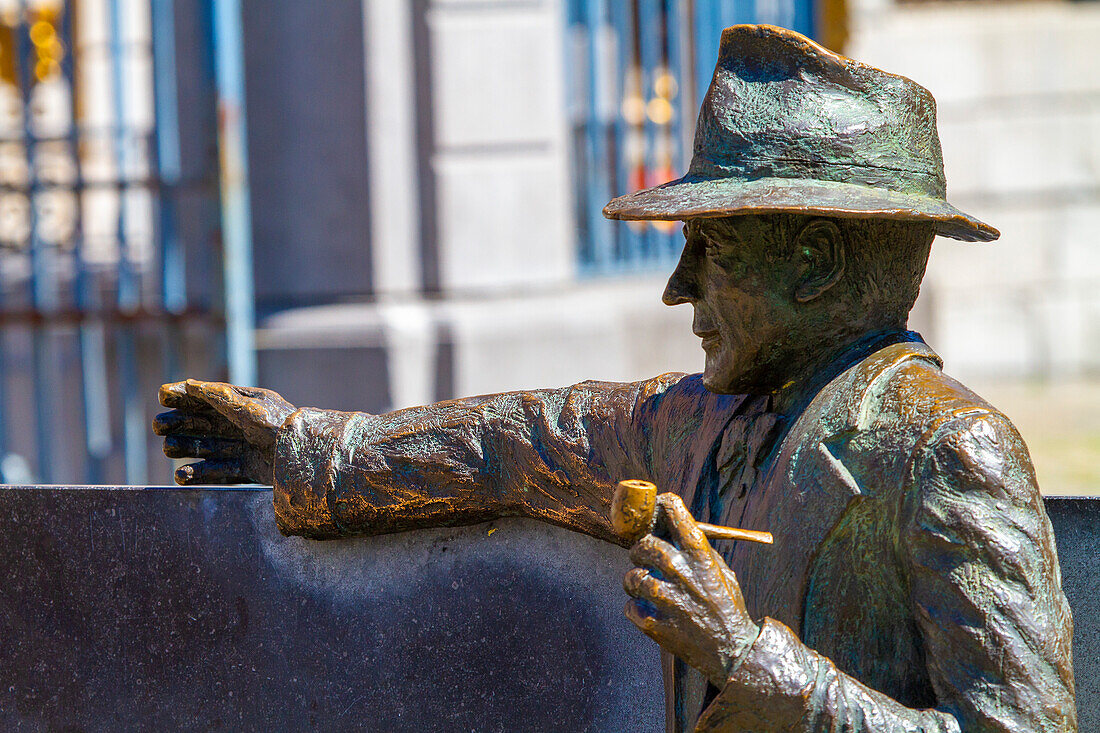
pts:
[710, 338]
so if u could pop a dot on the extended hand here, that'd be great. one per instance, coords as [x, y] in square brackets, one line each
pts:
[686, 598]
[231, 428]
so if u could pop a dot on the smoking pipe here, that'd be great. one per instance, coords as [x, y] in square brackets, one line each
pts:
[634, 514]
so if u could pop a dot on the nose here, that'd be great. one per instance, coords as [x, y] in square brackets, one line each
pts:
[682, 284]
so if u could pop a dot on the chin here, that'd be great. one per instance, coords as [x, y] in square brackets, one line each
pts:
[718, 386]
[732, 380]
[723, 381]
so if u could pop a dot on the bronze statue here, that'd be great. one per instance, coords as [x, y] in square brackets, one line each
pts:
[913, 583]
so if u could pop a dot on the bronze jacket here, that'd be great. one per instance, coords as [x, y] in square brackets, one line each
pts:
[913, 584]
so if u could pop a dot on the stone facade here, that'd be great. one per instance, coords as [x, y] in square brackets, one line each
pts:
[472, 278]
[1018, 87]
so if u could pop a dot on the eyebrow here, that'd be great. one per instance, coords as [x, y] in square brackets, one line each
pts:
[706, 229]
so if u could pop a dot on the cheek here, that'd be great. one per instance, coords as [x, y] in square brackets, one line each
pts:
[740, 315]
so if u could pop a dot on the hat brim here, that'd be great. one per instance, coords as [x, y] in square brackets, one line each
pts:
[706, 198]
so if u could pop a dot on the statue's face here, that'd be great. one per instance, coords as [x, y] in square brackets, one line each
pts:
[745, 312]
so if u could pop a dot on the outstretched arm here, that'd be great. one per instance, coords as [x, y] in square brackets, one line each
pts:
[549, 454]
[552, 454]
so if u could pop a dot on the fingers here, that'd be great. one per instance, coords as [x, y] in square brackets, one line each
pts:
[222, 397]
[640, 583]
[256, 393]
[202, 424]
[662, 596]
[654, 553]
[174, 394]
[188, 446]
[226, 471]
[683, 530]
[641, 614]
[729, 579]
[657, 626]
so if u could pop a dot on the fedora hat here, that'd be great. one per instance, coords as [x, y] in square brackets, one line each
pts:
[790, 127]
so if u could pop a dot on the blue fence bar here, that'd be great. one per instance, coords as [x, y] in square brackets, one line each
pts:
[134, 423]
[236, 214]
[600, 87]
[90, 334]
[638, 71]
[624, 137]
[42, 287]
[168, 165]
[95, 301]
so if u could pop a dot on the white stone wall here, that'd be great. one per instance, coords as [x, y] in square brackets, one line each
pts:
[1018, 88]
[501, 162]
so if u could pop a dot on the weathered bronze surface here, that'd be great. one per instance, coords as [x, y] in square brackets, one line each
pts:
[913, 583]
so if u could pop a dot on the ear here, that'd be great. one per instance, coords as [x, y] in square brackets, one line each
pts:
[821, 254]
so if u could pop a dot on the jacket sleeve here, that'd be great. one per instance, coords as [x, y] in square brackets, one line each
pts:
[984, 590]
[553, 454]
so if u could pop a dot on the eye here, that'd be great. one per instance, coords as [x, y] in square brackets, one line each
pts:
[712, 247]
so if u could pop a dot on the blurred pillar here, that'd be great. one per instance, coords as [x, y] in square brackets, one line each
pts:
[832, 24]
[391, 139]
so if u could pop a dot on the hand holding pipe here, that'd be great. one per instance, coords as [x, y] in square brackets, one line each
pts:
[634, 514]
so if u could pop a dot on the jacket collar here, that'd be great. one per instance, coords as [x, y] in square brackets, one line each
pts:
[800, 393]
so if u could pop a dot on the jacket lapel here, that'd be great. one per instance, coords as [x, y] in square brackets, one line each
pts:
[808, 487]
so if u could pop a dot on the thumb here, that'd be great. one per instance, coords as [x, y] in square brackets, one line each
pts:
[247, 413]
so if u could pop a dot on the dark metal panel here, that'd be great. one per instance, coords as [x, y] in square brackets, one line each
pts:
[307, 137]
[352, 377]
[161, 609]
[1077, 531]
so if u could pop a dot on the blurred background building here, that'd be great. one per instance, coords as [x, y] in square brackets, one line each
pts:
[406, 203]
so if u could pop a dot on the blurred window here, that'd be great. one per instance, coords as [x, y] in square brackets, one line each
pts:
[638, 69]
[92, 280]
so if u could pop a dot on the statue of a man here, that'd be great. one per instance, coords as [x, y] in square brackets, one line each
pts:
[913, 584]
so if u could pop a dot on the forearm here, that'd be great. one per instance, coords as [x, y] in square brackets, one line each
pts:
[547, 454]
[782, 685]
[352, 473]
[335, 477]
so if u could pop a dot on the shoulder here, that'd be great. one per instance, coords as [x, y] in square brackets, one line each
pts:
[904, 388]
[960, 432]
[898, 411]
[957, 433]
[968, 468]
[906, 383]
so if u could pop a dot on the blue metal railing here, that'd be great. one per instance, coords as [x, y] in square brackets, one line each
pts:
[96, 303]
[637, 70]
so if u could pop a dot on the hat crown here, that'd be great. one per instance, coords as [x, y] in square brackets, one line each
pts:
[790, 127]
[781, 106]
